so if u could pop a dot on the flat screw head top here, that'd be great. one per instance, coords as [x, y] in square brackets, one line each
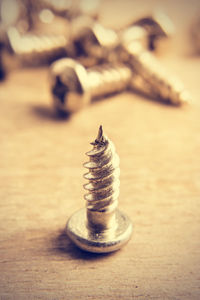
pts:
[69, 85]
[100, 227]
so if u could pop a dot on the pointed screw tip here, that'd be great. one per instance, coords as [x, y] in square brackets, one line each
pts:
[100, 139]
[100, 133]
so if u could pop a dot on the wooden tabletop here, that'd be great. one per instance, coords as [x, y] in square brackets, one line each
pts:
[41, 186]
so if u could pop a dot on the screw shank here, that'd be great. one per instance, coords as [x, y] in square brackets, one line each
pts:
[103, 186]
[165, 87]
[108, 79]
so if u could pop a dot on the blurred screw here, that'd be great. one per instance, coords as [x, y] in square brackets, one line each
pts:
[164, 87]
[95, 41]
[104, 44]
[33, 50]
[73, 86]
[101, 227]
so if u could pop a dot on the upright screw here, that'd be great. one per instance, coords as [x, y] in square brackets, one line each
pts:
[30, 48]
[101, 227]
[94, 40]
[104, 44]
[73, 86]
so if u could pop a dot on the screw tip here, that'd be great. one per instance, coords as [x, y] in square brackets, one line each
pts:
[100, 139]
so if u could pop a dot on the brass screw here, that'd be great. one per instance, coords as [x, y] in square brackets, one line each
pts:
[73, 86]
[94, 40]
[28, 47]
[164, 87]
[100, 227]
[33, 49]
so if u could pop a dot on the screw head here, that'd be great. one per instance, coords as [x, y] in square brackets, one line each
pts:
[98, 242]
[69, 85]
[93, 39]
[158, 26]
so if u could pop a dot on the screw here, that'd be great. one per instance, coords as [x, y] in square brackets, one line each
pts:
[145, 65]
[104, 44]
[34, 49]
[29, 48]
[73, 86]
[94, 40]
[100, 227]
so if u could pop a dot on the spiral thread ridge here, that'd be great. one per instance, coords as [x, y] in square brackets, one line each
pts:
[103, 185]
[167, 88]
[33, 49]
[108, 79]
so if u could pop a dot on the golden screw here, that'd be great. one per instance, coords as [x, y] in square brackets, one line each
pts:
[100, 227]
[94, 41]
[73, 86]
[129, 47]
[144, 65]
[33, 49]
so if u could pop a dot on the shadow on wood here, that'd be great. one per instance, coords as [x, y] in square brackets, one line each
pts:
[44, 112]
[63, 245]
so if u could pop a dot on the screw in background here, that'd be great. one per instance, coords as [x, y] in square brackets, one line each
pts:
[100, 227]
[166, 88]
[73, 87]
[28, 48]
[33, 49]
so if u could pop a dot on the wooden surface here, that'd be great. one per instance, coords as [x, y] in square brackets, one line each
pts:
[41, 186]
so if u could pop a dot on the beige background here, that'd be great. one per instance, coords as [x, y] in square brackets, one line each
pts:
[41, 183]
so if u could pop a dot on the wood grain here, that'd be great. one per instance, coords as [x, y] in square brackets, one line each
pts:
[41, 185]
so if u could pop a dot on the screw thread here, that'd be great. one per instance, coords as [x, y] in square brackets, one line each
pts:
[165, 87]
[108, 79]
[36, 49]
[103, 186]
